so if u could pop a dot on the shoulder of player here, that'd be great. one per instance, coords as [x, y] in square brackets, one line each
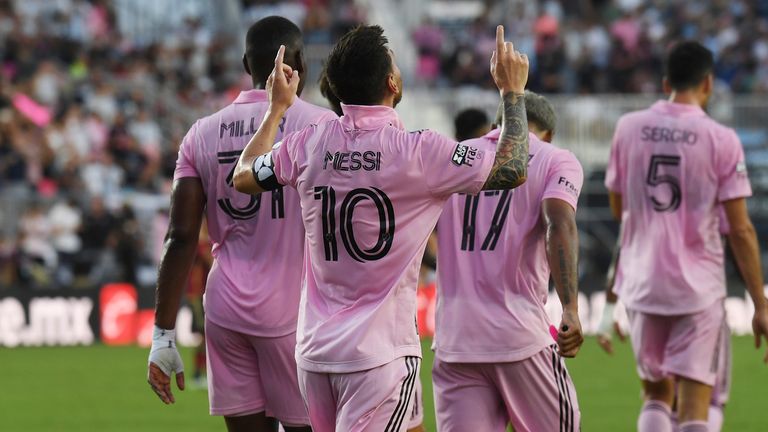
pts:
[307, 114]
[421, 136]
[547, 154]
[720, 129]
[211, 120]
[632, 117]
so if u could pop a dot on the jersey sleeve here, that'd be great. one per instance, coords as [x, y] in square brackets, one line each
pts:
[289, 155]
[615, 171]
[565, 178]
[732, 179]
[452, 167]
[185, 162]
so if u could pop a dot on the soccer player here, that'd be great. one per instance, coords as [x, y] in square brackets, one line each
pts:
[371, 194]
[253, 289]
[670, 168]
[722, 386]
[496, 251]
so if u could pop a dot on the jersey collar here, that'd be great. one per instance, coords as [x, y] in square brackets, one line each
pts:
[369, 117]
[252, 96]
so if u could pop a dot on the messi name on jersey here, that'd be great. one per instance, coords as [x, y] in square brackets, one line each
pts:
[352, 161]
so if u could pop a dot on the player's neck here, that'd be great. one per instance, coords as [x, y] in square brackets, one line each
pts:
[262, 85]
[685, 97]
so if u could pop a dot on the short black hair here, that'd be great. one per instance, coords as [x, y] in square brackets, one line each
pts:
[358, 66]
[467, 122]
[327, 92]
[540, 112]
[688, 64]
[263, 40]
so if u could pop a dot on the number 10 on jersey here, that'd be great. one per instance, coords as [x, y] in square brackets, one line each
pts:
[386, 213]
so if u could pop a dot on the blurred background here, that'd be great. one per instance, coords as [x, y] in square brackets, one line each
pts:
[96, 95]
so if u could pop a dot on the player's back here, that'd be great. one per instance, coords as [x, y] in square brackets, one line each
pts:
[371, 194]
[252, 236]
[492, 265]
[673, 164]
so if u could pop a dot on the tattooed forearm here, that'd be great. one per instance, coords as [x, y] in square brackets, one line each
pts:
[562, 245]
[510, 168]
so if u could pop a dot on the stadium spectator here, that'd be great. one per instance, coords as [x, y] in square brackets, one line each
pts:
[98, 235]
[610, 47]
[65, 219]
[37, 252]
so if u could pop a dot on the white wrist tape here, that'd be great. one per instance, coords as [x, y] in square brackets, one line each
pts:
[605, 327]
[163, 335]
[164, 353]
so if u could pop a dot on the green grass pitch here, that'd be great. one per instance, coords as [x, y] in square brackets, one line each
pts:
[104, 388]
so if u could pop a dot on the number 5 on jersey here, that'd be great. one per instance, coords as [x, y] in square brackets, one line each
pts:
[656, 179]
[327, 197]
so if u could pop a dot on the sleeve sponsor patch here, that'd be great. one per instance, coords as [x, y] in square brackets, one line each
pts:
[569, 186]
[741, 167]
[464, 155]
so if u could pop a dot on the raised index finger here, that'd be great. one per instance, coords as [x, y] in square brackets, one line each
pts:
[500, 39]
[279, 58]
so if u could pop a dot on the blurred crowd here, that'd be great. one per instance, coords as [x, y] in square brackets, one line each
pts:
[597, 46]
[90, 123]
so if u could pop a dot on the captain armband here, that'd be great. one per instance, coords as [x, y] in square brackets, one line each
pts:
[263, 170]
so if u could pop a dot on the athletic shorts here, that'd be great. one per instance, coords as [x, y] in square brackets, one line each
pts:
[533, 395]
[679, 345]
[374, 400]
[249, 374]
[416, 417]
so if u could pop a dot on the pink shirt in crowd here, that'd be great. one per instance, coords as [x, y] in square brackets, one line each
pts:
[370, 194]
[492, 268]
[673, 166]
[258, 241]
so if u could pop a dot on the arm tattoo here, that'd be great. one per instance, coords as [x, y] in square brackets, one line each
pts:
[565, 276]
[510, 168]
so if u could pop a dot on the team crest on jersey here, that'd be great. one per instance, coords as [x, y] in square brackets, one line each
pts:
[464, 155]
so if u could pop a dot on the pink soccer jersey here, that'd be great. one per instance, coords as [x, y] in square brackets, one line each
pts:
[492, 269]
[370, 194]
[673, 165]
[258, 241]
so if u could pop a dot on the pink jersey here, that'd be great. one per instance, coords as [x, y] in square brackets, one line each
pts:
[492, 268]
[673, 165]
[370, 194]
[258, 241]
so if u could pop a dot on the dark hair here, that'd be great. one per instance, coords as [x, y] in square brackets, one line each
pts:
[325, 90]
[358, 66]
[688, 64]
[540, 112]
[263, 40]
[467, 122]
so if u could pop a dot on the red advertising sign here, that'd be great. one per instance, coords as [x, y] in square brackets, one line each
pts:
[426, 303]
[117, 309]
